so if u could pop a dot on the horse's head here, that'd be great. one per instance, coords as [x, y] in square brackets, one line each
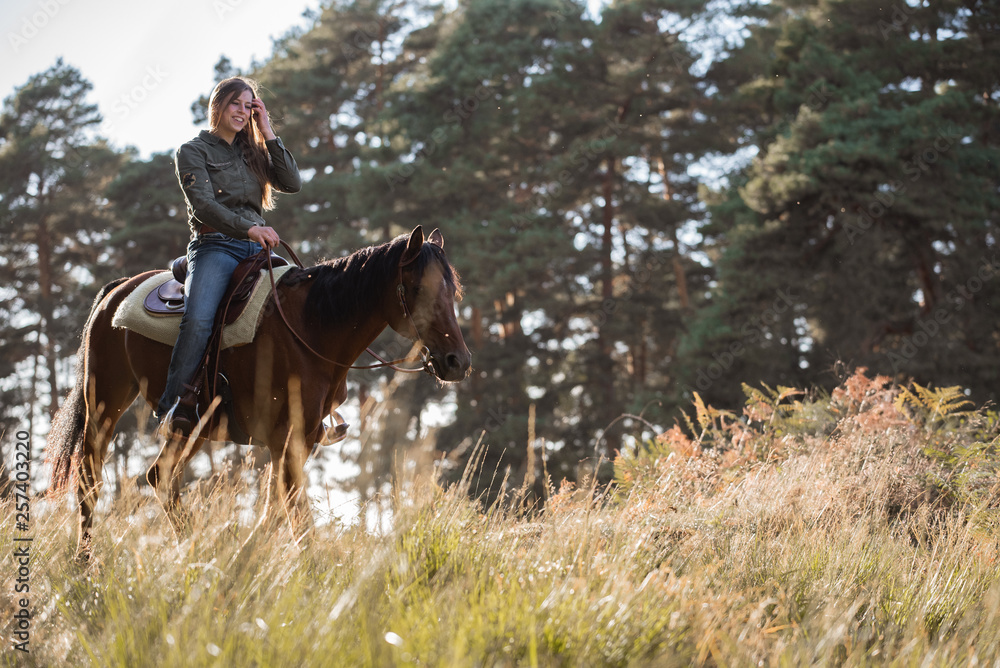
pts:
[427, 291]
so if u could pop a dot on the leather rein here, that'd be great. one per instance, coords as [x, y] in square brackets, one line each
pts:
[400, 291]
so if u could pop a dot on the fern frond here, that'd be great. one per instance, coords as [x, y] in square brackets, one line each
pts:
[702, 414]
[903, 398]
[933, 405]
[785, 392]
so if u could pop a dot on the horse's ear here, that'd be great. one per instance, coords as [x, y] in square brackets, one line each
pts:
[413, 245]
[436, 238]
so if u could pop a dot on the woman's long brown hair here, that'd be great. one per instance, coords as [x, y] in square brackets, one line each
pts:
[250, 136]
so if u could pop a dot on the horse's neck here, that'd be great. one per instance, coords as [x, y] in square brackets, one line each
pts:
[367, 333]
[347, 338]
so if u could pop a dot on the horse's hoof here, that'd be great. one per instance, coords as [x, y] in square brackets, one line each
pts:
[180, 519]
[83, 551]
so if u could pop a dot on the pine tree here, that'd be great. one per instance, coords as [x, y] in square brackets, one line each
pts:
[640, 125]
[328, 87]
[52, 172]
[551, 167]
[150, 217]
[870, 205]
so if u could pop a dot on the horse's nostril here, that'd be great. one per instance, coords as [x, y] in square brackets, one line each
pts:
[451, 359]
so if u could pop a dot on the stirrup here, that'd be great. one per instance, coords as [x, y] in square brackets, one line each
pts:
[334, 433]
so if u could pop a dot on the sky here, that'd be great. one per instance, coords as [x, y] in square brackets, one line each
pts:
[148, 62]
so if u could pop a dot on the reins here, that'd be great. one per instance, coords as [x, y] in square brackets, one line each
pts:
[400, 290]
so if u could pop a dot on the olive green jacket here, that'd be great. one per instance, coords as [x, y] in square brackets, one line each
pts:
[219, 187]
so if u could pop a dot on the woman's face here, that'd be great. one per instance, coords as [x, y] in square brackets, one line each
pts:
[236, 115]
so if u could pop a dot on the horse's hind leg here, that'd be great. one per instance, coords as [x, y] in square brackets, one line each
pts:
[106, 397]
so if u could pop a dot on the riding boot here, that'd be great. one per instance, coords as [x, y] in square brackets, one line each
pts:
[183, 416]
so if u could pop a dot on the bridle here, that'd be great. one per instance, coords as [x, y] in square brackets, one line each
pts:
[424, 355]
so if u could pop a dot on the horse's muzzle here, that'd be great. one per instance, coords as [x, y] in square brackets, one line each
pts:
[450, 367]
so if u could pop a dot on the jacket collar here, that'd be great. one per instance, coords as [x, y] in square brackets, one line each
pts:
[213, 140]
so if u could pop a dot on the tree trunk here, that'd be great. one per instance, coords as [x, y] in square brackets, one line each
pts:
[46, 311]
[641, 355]
[478, 342]
[33, 392]
[606, 376]
[679, 276]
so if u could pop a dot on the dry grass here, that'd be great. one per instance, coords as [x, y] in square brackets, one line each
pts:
[855, 529]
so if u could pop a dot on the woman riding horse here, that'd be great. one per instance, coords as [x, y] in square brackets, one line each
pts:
[284, 383]
[228, 175]
[294, 373]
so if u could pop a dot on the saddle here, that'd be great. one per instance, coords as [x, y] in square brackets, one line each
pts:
[168, 299]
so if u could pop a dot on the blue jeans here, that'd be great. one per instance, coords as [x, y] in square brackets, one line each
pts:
[211, 261]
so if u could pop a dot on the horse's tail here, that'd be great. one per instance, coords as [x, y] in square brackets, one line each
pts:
[66, 436]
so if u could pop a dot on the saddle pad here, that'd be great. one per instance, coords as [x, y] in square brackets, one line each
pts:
[164, 328]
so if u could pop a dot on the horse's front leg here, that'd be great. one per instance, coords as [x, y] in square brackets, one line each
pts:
[289, 480]
[167, 472]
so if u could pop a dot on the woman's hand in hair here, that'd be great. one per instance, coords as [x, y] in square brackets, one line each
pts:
[265, 236]
[261, 118]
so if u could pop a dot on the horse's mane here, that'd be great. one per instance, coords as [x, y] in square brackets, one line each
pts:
[344, 286]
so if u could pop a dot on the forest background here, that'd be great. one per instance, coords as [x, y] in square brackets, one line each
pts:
[651, 201]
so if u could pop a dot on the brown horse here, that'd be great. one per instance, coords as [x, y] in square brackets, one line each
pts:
[282, 385]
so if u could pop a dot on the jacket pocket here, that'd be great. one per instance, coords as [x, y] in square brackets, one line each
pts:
[222, 177]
